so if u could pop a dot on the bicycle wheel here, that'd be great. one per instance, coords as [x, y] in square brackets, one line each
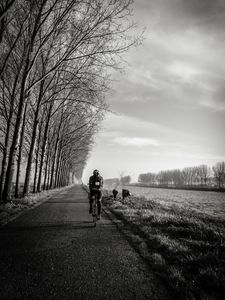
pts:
[94, 210]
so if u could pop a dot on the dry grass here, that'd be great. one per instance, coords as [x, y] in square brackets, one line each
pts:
[185, 248]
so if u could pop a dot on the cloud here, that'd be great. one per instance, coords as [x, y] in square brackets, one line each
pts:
[135, 141]
[177, 75]
[118, 125]
[170, 99]
[207, 15]
[183, 71]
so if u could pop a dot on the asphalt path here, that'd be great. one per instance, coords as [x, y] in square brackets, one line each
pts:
[54, 252]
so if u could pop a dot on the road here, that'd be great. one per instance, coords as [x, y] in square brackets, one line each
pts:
[54, 252]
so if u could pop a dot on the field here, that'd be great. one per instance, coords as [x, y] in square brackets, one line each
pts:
[211, 203]
[181, 234]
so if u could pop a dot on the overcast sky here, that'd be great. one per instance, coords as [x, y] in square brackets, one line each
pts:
[170, 102]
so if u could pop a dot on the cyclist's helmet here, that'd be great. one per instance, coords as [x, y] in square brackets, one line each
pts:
[96, 172]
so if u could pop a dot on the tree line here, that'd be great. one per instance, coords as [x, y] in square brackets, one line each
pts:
[202, 175]
[54, 62]
[115, 182]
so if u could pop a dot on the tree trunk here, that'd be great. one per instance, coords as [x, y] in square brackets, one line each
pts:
[66, 175]
[26, 188]
[42, 159]
[61, 176]
[33, 141]
[5, 156]
[57, 171]
[37, 155]
[20, 153]
[54, 161]
[48, 176]
[35, 171]
[46, 170]
[12, 154]
[6, 142]
[44, 148]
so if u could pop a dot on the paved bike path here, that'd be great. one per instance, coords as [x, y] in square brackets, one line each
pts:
[54, 252]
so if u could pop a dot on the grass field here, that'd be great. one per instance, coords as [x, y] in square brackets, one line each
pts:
[211, 203]
[184, 247]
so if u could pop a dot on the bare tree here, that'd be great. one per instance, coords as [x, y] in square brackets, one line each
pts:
[219, 173]
[203, 171]
[5, 6]
[56, 53]
[149, 178]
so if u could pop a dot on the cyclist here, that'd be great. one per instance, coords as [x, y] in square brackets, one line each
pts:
[95, 187]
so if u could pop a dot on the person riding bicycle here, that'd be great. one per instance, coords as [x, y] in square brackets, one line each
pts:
[95, 187]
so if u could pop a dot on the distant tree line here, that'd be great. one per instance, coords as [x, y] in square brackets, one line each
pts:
[115, 182]
[201, 175]
[54, 57]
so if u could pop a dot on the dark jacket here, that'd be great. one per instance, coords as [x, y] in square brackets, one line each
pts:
[125, 193]
[95, 182]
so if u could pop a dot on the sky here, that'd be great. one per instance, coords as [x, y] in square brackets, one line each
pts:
[169, 103]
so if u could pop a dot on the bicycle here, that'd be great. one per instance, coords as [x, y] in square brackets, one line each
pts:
[95, 209]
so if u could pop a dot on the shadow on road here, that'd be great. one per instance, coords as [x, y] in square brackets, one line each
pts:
[64, 201]
[53, 226]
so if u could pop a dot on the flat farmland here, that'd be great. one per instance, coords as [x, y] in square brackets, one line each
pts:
[210, 203]
[181, 234]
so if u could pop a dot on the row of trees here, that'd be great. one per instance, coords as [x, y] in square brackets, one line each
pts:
[54, 61]
[200, 175]
[115, 182]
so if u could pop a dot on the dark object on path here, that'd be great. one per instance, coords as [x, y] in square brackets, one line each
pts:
[125, 193]
[115, 192]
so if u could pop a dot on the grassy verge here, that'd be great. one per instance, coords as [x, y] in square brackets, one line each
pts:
[185, 248]
[11, 210]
